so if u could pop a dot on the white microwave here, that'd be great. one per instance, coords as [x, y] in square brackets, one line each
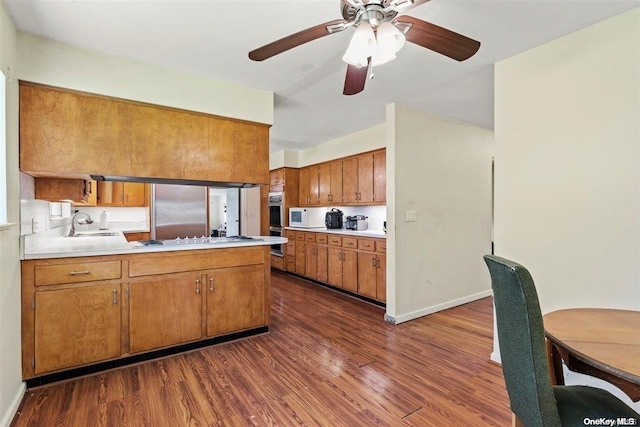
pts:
[307, 217]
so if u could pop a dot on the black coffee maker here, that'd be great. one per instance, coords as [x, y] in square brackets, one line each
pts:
[333, 219]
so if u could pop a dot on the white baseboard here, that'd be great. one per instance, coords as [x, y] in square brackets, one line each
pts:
[495, 357]
[15, 404]
[439, 307]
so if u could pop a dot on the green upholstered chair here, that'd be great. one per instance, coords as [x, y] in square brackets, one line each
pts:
[534, 400]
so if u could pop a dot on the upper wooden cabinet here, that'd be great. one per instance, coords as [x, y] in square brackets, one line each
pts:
[82, 192]
[129, 194]
[309, 194]
[354, 180]
[67, 133]
[330, 182]
[276, 180]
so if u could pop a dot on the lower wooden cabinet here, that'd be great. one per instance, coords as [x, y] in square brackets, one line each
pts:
[235, 299]
[301, 258]
[76, 326]
[79, 311]
[343, 268]
[372, 275]
[176, 316]
[351, 263]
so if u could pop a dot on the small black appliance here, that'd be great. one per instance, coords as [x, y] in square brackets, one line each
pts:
[333, 219]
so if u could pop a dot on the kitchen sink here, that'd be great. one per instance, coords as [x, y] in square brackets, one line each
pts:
[98, 234]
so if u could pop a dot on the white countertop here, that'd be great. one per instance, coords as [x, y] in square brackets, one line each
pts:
[363, 233]
[63, 247]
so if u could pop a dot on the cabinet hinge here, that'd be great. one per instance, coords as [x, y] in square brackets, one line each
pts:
[33, 303]
[33, 361]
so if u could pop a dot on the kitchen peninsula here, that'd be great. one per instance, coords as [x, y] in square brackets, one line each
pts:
[95, 299]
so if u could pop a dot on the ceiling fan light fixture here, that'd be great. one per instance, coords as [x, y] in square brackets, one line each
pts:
[362, 46]
[390, 41]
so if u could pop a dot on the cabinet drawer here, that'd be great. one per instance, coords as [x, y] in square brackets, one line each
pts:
[310, 237]
[321, 238]
[335, 240]
[350, 242]
[300, 235]
[290, 234]
[366, 245]
[76, 272]
[381, 246]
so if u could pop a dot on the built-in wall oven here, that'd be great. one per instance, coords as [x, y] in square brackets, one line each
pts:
[276, 220]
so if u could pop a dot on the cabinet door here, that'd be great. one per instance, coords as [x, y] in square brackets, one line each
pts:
[301, 259]
[380, 176]
[54, 189]
[276, 177]
[314, 186]
[130, 194]
[381, 278]
[334, 266]
[365, 178]
[134, 194]
[76, 326]
[367, 274]
[350, 180]
[350, 270]
[276, 180]
[177, 311]
[235, 299]
[322, 263]
[324, 183]
[336, 181]
[304, 187]
[311, 261]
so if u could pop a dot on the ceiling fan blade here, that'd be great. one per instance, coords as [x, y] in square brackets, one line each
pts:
[294, 40]
[438, 39]
[355, 79]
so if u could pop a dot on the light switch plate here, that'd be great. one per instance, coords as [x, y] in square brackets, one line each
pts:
[410, 216]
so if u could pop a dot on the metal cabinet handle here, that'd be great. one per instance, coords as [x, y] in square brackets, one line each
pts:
[115, 297]
[79, 273]
[197, 286]
[211, 285]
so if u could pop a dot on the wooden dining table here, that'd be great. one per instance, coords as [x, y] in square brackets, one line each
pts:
[603, 343]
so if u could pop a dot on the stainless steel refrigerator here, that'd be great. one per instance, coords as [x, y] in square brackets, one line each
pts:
[179, 211]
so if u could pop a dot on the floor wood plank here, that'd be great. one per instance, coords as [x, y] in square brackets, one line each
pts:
[328, 360]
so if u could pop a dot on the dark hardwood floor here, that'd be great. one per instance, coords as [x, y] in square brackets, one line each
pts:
[328, 360]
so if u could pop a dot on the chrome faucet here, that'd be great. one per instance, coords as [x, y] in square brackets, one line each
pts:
[72, 231]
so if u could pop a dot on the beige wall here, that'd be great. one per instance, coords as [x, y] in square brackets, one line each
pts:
[11, 386]
[57, 64]
[441, 169]
[568, 167]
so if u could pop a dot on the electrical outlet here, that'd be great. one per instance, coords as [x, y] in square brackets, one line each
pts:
[410, 216]
[35, 225]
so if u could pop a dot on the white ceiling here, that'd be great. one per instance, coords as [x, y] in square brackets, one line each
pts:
[213, 37]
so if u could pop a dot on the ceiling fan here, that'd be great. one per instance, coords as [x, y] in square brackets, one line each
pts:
[380, 33]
